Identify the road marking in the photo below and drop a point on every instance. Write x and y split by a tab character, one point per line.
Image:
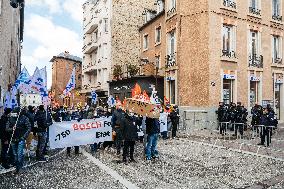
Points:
110	171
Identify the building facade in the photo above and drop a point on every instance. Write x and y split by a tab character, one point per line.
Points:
62	67
31	99
11	38
223	50
111	42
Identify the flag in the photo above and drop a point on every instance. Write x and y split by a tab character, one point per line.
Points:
23	76
71	83
94	97
111	101
154	98
43	74
11	99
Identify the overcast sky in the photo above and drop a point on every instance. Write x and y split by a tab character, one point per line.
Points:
51	27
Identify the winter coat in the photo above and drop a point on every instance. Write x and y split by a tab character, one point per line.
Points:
174	117
43	120
117	117
152	126
129	126
23	128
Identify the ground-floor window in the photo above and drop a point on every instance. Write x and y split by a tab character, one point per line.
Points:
228	90
254	92
172	91
277	99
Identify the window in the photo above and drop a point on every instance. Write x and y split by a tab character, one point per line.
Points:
106	24
228	40
160	6
172	91
255	7
276	7
145	42
228	86
230	3
276	49
254	43
172	4
158	35
172	41
104	50
158	62
95	37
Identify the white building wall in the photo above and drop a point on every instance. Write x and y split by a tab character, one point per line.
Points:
97	64
31	100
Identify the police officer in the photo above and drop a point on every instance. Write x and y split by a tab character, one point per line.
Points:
241	118
233	113
256	113
266	120
223	116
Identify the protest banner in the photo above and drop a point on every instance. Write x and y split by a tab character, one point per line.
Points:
142	108
74	133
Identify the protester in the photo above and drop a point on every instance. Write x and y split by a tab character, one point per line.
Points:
21	132
43	120
152	131
129	131
31	116
5	138
174	115
117	117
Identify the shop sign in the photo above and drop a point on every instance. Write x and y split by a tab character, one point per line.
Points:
254	78
229	76
170	79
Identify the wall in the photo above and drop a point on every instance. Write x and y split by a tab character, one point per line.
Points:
60	80
9	46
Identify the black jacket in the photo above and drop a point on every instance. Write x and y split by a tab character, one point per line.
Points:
117	117
31	117
4	134
43	120
152	126
174	117
23	128
129	129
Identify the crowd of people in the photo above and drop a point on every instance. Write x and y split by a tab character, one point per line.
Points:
15	129
17	126
235	118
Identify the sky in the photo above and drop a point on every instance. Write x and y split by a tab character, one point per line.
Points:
51	27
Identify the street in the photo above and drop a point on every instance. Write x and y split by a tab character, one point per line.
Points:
182	164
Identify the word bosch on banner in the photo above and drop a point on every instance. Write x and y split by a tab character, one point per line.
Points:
73	133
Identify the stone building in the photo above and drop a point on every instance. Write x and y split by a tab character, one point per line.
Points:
222	50
11	38
111	42
62	67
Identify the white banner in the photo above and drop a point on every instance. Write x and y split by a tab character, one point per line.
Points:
163	122
74	133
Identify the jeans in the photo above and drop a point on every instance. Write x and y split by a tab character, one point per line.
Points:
164	134
128	145
94	147
18	151
42	136
151	148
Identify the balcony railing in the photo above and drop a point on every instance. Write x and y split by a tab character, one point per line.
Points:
277	17
170	60
230	4
255	11
171	11
229	54
256	61
277	60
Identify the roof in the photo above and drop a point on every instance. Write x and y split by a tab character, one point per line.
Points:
66	55
152	20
